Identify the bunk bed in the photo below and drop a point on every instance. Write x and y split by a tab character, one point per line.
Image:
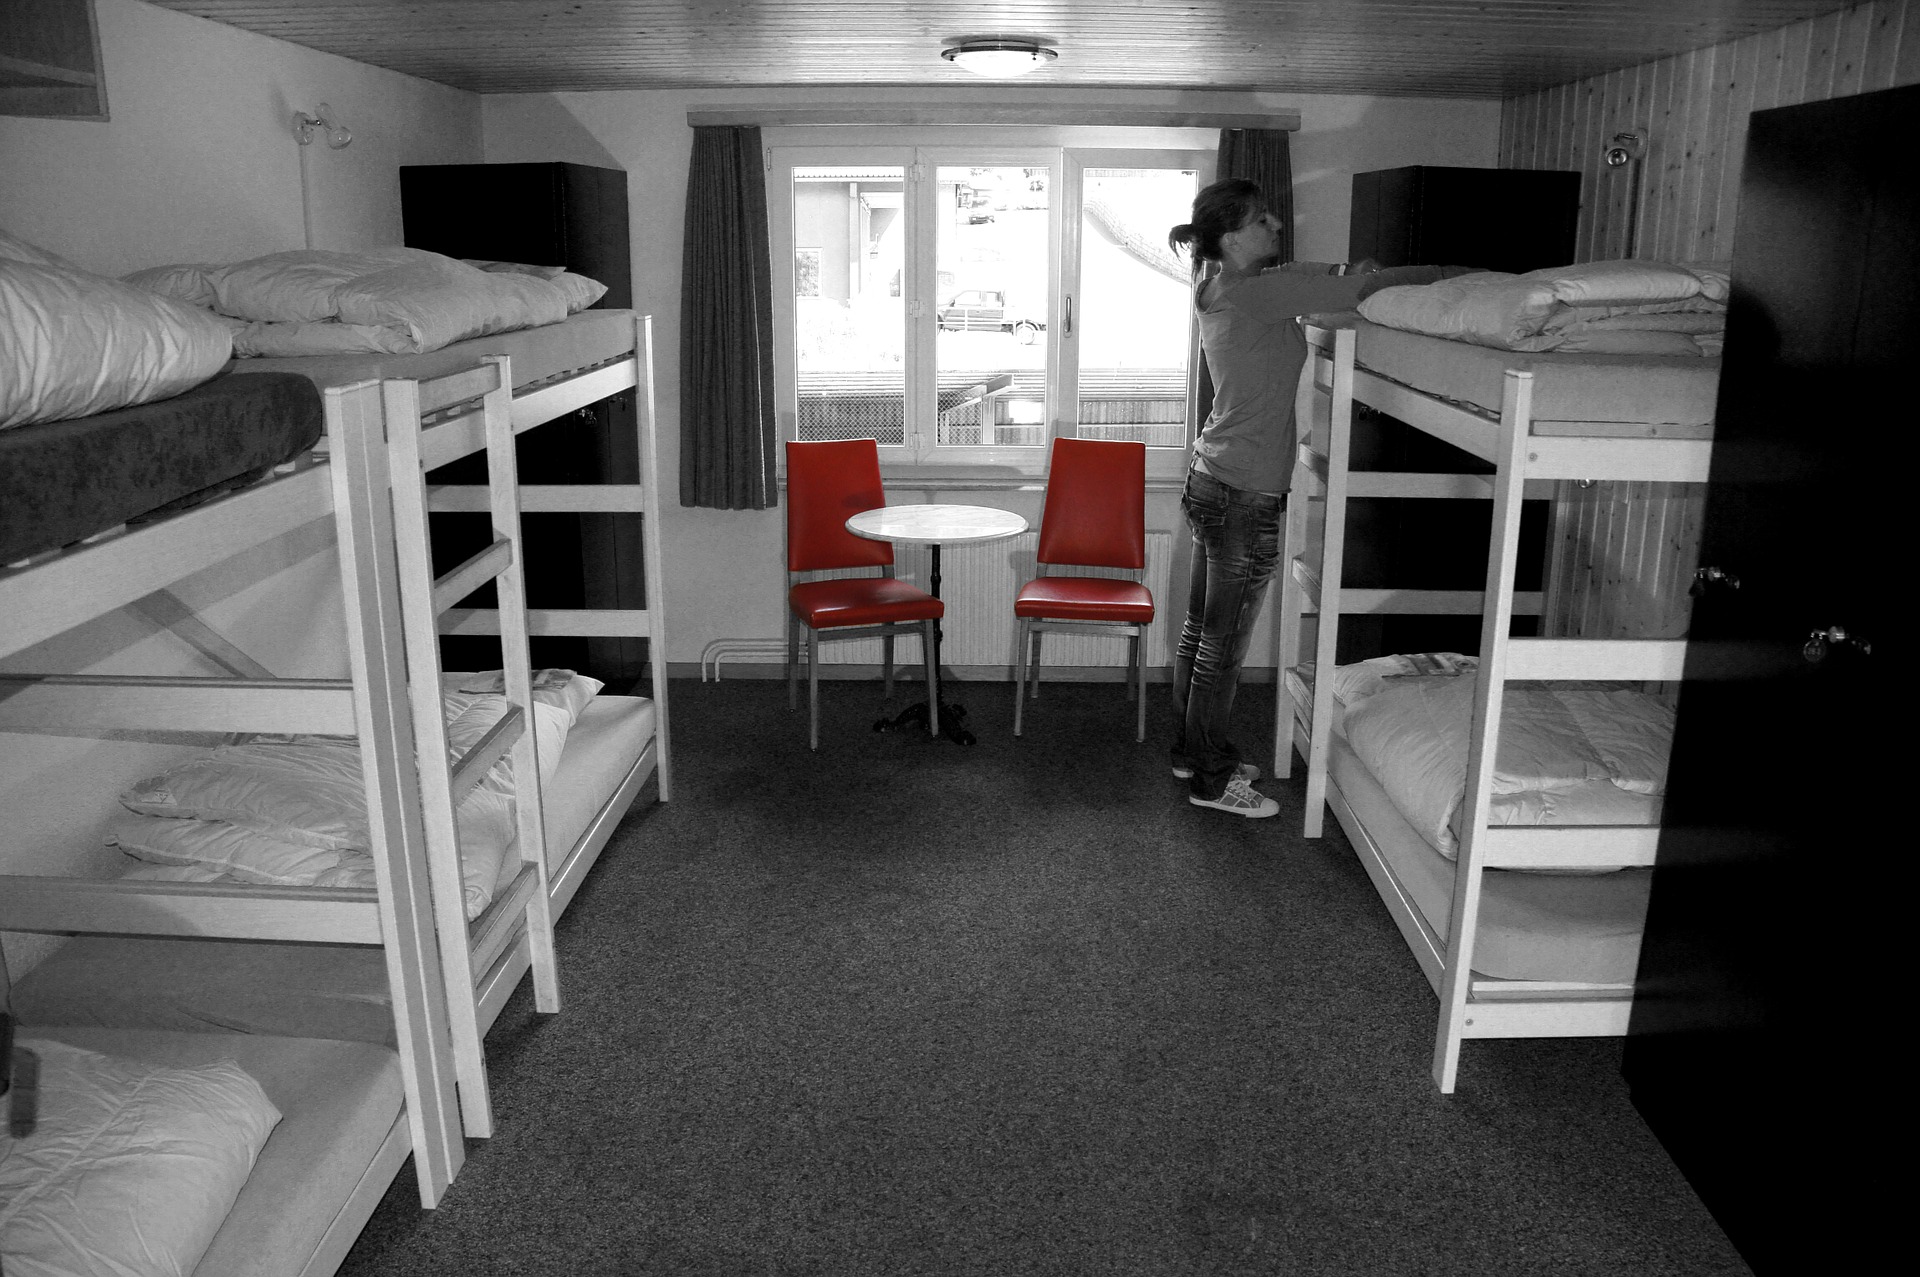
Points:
416	1083
1523	929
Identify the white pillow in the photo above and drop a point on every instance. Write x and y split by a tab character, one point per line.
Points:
221	848
1354	683
73	343
131	1167
291	811
184	282
565	689
580	291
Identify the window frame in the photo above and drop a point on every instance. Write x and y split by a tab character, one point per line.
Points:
1066	152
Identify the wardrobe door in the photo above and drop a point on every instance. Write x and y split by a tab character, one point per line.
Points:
1758	1050
1513	220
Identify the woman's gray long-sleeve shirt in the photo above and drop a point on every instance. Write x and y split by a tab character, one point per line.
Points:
1255	350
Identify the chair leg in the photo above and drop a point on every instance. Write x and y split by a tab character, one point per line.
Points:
1038	636
931	653
1140	693
886	655
813	688
1020	675
793	654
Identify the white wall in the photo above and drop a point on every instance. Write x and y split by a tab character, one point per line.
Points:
198	163
646	134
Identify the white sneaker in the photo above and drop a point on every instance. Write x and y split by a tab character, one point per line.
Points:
1240	798
1245	771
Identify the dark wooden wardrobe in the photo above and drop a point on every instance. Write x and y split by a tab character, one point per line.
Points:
1512	220
555	214
1763	1046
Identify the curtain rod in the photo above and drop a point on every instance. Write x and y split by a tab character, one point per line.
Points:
908	113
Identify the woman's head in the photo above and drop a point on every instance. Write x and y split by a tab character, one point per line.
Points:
1218	211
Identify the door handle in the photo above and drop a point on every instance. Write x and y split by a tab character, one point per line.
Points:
1821	643
1707	578
1069	315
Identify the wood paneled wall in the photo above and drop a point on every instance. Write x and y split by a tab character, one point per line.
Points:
1680	201
1623	554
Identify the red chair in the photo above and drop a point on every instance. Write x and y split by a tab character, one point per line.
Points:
828	483
1096	517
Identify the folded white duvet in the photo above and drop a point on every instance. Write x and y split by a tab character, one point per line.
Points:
386	300
1568	755
1616	307
291	811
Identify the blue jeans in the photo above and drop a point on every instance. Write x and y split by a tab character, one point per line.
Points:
1236	546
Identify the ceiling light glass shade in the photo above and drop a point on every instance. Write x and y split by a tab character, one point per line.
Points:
999	59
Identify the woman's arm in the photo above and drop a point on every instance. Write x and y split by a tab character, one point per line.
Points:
1391	276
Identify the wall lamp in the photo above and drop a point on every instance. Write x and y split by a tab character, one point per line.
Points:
336	133
999	57
1625	148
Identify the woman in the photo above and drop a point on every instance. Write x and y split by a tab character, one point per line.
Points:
1236	489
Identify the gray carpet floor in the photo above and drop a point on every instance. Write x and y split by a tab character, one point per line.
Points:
907	1007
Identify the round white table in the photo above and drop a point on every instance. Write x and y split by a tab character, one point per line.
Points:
935	526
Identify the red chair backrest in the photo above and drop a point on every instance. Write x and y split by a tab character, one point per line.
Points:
1096	508
827	484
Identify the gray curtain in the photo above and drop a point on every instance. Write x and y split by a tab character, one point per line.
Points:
727	438
1261	156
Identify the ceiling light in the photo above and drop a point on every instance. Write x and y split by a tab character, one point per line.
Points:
999	59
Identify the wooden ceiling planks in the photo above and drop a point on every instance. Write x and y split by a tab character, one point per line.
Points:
1419	48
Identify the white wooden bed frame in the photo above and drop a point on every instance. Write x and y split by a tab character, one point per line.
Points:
1527	464
447	980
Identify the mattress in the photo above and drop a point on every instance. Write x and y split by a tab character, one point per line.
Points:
580	341
300	990
338	1100
601	749
1617	390
61	481
1532	926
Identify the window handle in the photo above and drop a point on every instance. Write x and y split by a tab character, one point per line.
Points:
1069	315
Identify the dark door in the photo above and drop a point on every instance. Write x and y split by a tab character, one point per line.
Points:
1761	1044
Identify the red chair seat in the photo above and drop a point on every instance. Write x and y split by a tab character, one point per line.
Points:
867	600
1085	598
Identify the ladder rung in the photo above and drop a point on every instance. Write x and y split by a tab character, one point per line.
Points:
1309	580
543	498
503	921
1570	846
1652	660
487	751
471	575
554	622
1314	463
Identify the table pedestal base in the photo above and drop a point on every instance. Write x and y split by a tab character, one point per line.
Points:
952	721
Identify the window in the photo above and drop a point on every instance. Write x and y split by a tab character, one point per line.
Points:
966	304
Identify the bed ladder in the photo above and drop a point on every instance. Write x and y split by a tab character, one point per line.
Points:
1314	559
641	499
421	418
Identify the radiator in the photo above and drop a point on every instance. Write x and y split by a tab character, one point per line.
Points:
978	583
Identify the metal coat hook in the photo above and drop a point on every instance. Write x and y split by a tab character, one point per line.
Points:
336	133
